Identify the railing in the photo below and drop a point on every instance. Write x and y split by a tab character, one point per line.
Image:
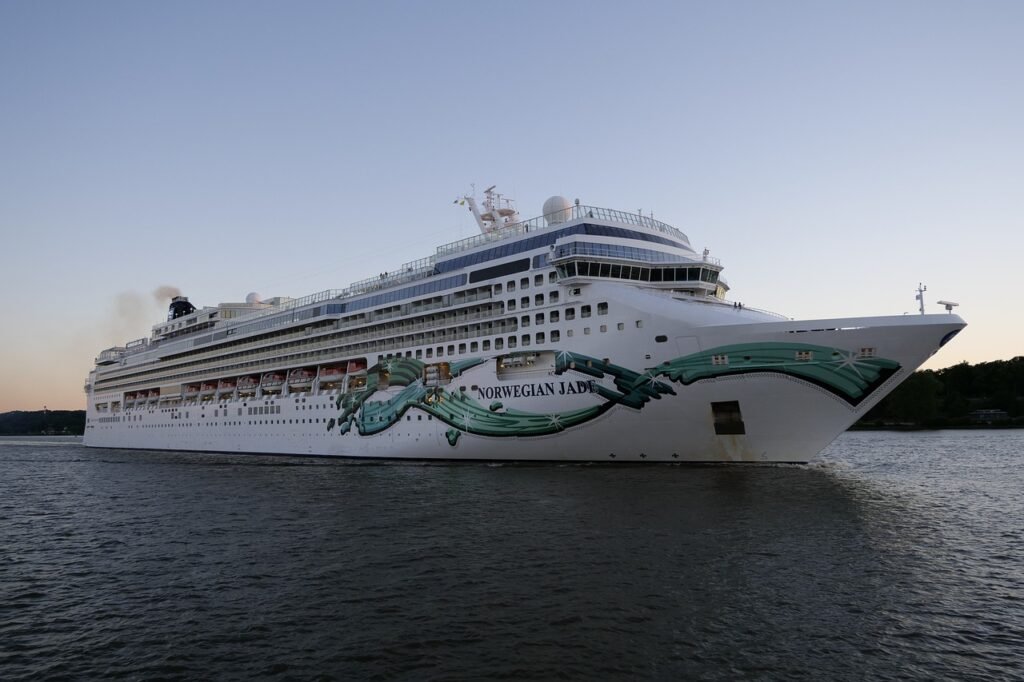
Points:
564	216
110	355
424	267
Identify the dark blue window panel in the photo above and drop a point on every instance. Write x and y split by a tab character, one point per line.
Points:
502	270
540	261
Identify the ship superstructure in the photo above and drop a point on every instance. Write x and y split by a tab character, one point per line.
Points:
584	334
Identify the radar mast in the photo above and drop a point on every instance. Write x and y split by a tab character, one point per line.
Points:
497	212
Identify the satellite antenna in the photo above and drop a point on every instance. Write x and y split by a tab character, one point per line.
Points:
949	305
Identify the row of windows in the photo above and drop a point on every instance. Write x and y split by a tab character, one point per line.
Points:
251	422
524	282
618	251
642	274
554	315
538	300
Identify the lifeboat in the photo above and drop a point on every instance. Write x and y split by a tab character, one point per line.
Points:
331	375
191	391
129	400
247	385
299	379
225	387
357	366
154	396
207	389
272	381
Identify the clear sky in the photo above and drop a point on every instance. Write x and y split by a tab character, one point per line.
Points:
831	154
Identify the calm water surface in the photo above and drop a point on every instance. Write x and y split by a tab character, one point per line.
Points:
895	556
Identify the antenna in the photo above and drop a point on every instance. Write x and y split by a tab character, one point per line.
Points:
920	296
949	305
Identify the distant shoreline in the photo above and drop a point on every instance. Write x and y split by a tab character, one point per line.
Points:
43	423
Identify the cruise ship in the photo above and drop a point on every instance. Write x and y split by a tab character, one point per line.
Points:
586	334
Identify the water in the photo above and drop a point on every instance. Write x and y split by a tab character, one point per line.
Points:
894	556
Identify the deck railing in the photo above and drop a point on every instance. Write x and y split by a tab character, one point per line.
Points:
425	267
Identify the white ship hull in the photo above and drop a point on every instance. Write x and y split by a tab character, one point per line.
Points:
586	335
795	386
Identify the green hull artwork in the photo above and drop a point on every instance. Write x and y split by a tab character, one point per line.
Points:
843	373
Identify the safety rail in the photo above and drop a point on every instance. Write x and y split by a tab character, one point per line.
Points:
422	268
562	216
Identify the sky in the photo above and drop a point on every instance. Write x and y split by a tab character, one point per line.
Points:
832	155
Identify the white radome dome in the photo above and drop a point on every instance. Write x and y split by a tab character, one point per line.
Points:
557	210
252	298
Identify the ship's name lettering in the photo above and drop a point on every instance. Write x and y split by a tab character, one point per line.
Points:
535	390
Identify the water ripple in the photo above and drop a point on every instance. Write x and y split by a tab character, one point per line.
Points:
894	556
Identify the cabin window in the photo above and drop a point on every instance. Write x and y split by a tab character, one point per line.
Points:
570	314
526	339
499	344
524	302
553	297
462	349
524	283
555	336
620	326
660	338
451	349
586	331
510	286
419	353
538	280
487	344
525	321
604	328
474	347
512	304
552	277
497	289
539	319
538	299
553	316
584	311
540	338
602	308
512	342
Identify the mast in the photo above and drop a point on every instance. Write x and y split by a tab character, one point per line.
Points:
498	211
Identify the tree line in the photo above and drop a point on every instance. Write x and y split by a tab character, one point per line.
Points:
986	394
43	422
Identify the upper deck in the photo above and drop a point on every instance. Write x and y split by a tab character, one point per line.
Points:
183	333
